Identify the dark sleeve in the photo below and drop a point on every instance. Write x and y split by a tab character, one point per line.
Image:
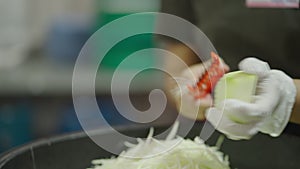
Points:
180	8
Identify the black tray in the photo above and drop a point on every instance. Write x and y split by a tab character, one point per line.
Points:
75	151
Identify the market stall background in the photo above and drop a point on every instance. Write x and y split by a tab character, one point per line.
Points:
39	44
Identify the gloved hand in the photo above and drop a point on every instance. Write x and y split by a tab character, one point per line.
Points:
269	112
187	104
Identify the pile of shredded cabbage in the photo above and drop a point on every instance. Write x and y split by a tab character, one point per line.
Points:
150	154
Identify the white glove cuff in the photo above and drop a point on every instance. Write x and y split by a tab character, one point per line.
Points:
277	121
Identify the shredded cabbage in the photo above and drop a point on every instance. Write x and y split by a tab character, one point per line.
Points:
187	154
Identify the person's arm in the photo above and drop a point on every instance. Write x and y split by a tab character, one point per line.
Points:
183	9
181	51
185	54
295	116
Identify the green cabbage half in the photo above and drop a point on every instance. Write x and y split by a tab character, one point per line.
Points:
235	85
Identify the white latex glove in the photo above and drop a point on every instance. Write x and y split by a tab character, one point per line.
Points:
187	105
270	111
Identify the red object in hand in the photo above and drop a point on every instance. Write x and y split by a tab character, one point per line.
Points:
209	79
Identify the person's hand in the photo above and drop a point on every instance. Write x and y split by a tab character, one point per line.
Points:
186	103
268	113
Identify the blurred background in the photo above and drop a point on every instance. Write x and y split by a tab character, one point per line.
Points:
39	43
